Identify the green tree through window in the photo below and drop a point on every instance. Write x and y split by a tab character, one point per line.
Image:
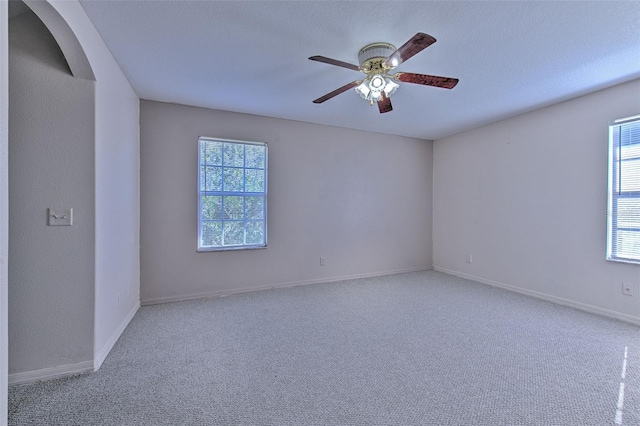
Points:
232	194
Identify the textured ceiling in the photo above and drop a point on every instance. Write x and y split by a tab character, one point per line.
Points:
251	56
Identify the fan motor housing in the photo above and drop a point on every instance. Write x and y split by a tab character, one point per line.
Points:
372	55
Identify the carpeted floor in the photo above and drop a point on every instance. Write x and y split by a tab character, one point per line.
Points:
411	349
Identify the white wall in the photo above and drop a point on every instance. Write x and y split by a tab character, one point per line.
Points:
114	182
361	200
527	198
51	273
117	188
4	207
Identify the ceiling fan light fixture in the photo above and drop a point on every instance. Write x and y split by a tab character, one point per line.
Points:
390	88
363	90
373	88
377	82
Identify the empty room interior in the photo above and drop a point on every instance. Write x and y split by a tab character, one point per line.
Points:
256	213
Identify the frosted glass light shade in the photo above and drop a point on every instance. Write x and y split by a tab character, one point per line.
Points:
374	86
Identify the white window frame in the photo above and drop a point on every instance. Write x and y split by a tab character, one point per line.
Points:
615	193
223	193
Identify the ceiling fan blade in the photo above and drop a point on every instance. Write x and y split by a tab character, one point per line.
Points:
337	92
427	80
416	44
335	62
384	105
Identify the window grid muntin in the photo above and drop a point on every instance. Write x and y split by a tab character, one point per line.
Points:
204	144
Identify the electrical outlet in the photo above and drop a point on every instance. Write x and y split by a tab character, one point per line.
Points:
627	289
469	258
322	261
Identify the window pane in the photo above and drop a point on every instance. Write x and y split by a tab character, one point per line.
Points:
255	180
233	208
255	156
234	154
210	178
211	153
211	234
233	180
628	244
211	208
629	151
233	234
255	232
254	208
628	213
630	175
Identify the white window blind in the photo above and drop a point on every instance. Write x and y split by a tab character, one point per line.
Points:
623	221
232	194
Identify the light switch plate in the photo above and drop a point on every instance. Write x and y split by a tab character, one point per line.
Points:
60	217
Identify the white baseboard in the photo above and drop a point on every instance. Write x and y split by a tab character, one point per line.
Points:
549	298
76	368
50	373
182	298
100	356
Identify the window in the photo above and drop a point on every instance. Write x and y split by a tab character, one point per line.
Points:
623	219
232	194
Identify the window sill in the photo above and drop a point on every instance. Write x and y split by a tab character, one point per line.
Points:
620	260
234	248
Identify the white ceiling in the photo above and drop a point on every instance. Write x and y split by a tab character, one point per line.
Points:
251	56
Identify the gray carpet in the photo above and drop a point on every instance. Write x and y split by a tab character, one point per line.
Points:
411	349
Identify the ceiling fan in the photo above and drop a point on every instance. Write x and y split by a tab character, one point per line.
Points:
376	60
